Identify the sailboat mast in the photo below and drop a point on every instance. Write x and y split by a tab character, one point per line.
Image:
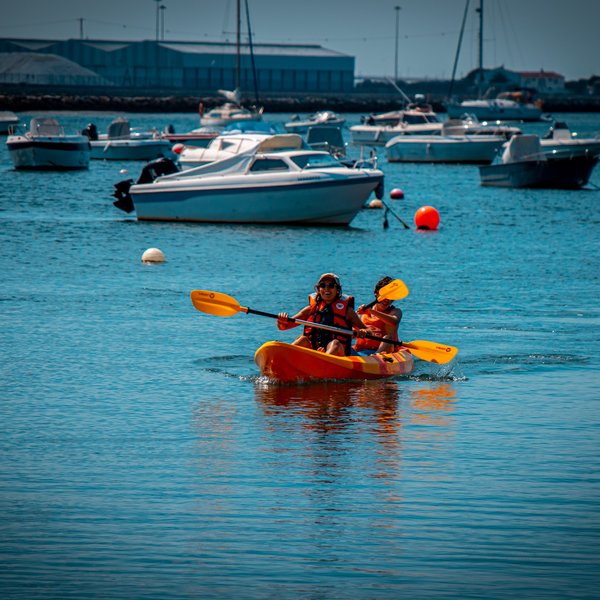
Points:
460	37
238	43
480	73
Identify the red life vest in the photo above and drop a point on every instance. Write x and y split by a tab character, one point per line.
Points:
378	328
333	314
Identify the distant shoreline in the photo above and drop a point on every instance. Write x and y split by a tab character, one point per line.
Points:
351	103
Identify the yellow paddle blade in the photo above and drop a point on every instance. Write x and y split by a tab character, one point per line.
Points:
215	303
431	351
394	290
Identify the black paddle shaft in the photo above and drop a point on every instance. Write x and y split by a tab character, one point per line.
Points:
347	332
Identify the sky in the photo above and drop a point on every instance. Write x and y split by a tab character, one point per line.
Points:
521	35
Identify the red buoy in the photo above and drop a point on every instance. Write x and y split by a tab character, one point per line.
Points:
396	194
427	217
177	148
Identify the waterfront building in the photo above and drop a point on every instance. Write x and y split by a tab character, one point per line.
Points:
202	67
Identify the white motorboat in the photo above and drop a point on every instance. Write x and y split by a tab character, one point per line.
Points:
234	139
229	112
46	146
223	146
447	147
470	125
524	164
121	143
413	121
278	182
324	118
7	120
504	109
559	138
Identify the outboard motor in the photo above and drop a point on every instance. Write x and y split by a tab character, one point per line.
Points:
91	132
155	168
123	197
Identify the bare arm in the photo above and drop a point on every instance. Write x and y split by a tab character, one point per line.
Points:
284	322
393	317
356	323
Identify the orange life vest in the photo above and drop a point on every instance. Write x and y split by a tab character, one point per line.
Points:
333	314
378	329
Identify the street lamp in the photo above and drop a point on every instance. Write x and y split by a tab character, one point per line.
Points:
162	22
397	9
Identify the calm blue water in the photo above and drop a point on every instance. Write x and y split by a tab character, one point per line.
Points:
142	457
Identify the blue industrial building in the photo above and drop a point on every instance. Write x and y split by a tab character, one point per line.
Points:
203	67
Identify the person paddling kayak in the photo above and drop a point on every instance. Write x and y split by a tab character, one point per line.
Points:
382	320
326	306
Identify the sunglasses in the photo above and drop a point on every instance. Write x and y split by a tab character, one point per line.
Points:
328	286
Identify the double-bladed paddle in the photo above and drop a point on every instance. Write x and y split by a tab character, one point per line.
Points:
222	305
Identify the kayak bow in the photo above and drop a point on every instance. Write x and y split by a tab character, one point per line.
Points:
288	363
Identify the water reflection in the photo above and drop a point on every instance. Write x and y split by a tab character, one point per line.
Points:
334	407
370	438
433	405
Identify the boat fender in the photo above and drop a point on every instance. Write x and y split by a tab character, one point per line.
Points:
157	168
123	198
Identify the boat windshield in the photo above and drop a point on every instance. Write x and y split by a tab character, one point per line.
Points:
420	119
315	161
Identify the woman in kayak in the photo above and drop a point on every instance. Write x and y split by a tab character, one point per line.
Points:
382	320
327	306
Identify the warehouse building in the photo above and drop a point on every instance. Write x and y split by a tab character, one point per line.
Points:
202	67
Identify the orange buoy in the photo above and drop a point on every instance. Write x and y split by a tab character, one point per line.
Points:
396	194
375	204
427	217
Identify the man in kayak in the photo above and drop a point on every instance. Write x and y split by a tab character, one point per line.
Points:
327	306
382	320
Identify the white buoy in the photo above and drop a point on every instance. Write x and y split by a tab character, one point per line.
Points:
153	255
123	171
376	204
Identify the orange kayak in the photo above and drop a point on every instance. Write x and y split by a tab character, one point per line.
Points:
287	363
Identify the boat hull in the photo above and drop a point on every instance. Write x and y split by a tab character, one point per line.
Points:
561	173
442	149
287	363
144	149
48	154
306	199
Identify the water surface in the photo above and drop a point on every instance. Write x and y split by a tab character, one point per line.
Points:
143	456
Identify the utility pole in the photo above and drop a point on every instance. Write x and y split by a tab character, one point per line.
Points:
397	9
157	14
238	64
80	27
480	78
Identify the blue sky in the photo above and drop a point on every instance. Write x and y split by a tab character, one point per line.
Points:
554	35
